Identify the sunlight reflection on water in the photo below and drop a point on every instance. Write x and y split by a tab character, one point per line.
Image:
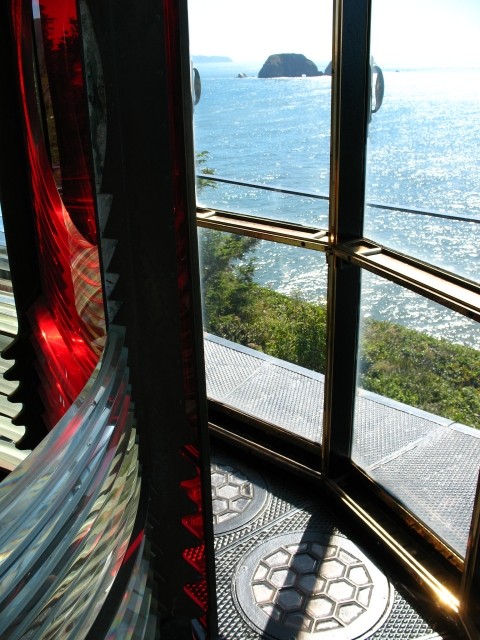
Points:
424	151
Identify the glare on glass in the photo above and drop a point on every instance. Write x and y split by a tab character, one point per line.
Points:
417	409
265	322
424	143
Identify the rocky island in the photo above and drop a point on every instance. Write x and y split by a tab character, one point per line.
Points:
288	65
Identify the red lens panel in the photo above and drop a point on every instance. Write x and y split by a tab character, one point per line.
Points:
69	321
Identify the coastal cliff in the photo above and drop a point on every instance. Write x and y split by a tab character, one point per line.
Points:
288	65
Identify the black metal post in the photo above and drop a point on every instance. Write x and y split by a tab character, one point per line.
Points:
149	171
350	115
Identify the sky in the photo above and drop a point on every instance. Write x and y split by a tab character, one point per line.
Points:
405	33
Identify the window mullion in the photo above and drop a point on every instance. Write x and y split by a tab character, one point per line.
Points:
350	115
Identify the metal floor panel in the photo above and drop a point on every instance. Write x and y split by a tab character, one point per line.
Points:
381	431
437	480
284	398
427	462
250	610
227	368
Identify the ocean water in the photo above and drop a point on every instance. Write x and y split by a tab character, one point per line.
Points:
423	151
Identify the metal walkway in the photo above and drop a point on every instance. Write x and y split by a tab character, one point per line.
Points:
287	569
429	464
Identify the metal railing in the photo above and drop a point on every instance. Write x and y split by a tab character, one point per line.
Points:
322	196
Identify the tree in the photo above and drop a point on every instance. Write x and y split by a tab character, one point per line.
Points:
226	276
201	160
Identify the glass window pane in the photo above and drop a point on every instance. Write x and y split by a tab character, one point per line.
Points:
424	142
268	130
265	324
417	414
266	204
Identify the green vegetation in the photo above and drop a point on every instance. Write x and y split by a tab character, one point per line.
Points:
240	310
399	363
424	372
201	161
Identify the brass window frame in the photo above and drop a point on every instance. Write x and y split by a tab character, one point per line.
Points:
442	287
347	253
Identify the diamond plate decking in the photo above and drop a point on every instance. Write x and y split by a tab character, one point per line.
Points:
430	464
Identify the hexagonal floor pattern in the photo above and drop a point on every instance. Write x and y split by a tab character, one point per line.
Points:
237	494
232	493
288	570
302	583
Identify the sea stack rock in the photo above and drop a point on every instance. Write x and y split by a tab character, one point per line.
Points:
288	65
